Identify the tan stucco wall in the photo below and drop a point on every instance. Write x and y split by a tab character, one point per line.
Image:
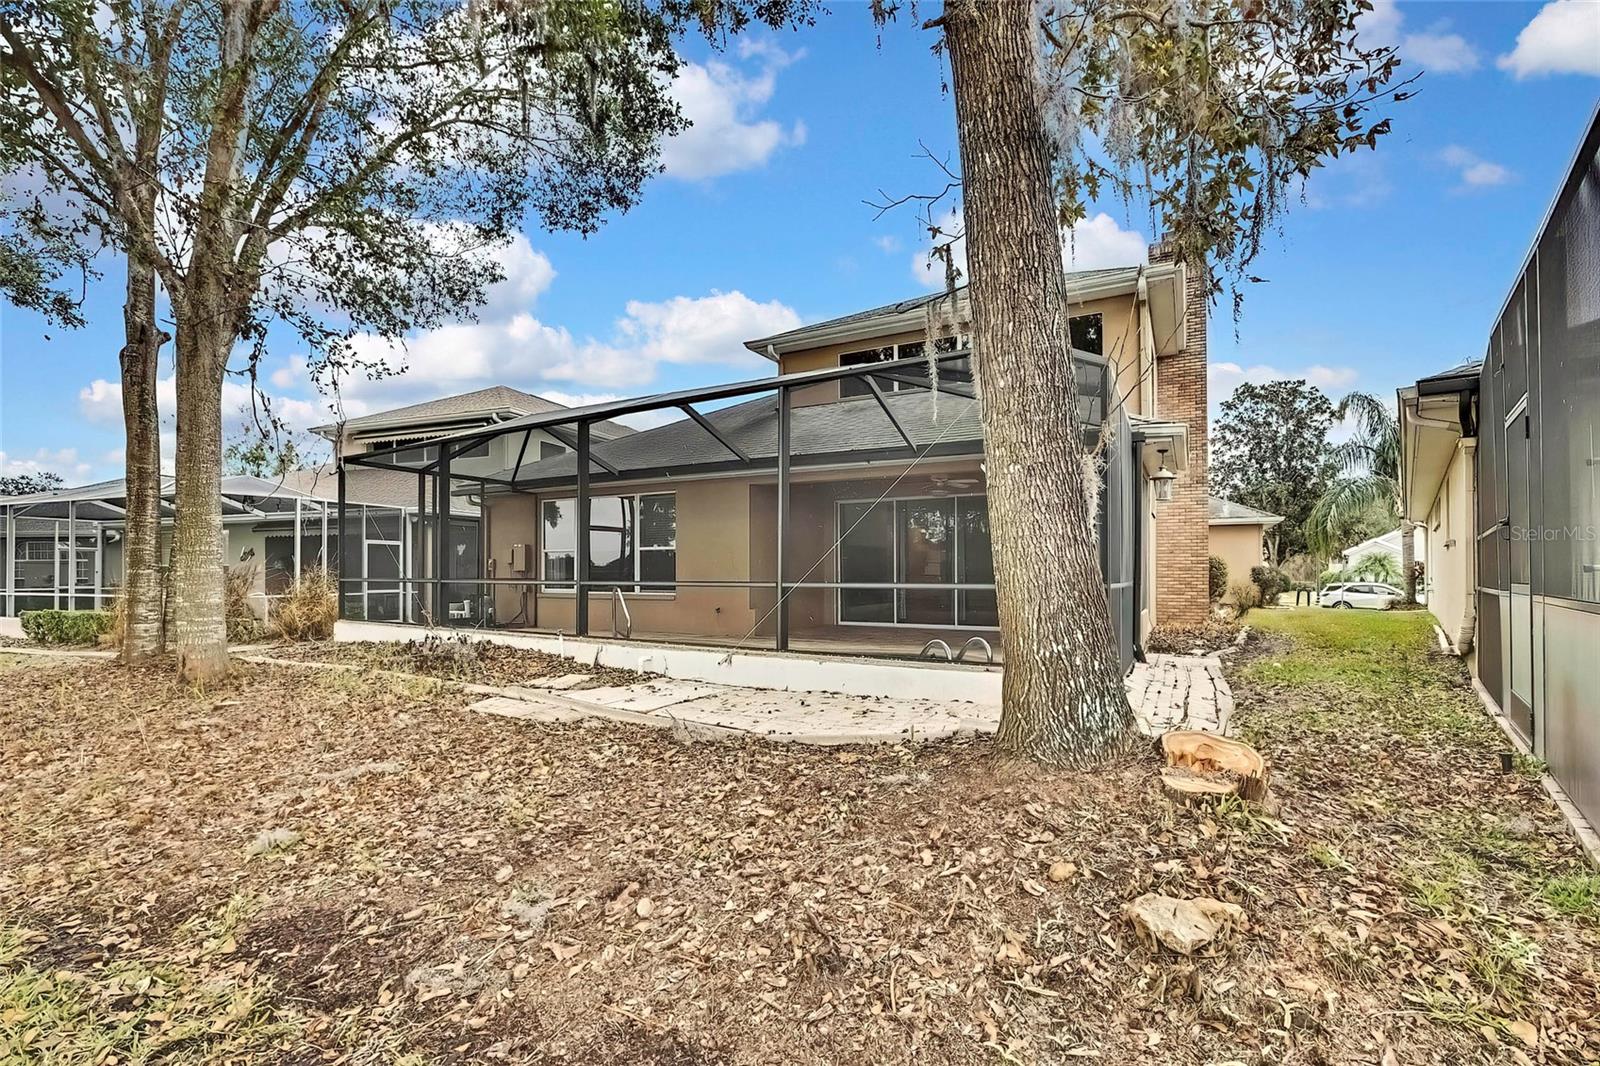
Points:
1450	540
1239	546
1119	337
726	532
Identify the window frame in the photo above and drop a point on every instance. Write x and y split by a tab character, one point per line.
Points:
955	560
638	549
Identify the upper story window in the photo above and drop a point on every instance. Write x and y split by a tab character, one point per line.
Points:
957	370
1086	336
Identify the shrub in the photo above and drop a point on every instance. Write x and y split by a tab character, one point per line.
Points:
1271	582
1246	597
66	627
307	611
238	582
1218	578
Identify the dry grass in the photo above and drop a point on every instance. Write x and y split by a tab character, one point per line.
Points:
468	889
308	610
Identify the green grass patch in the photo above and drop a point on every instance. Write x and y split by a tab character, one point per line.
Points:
1378	668
130	1011
1573	894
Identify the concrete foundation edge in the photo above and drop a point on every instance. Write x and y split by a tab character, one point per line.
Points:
785	673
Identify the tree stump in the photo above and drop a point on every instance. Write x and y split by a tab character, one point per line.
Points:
1209	765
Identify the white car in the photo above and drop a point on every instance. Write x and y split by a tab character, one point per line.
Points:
1373	594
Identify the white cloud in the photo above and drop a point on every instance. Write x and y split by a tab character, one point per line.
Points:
888	243
1099	242
524	352
1094	243
1223	377
1434	49
100	402
707	329
1563	38
1475	171
723	103
64	461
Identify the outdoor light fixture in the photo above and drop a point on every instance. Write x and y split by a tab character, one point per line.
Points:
1163	478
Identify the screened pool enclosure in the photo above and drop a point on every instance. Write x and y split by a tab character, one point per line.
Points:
782	513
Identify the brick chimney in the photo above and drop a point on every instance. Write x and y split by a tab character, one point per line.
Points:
1183	530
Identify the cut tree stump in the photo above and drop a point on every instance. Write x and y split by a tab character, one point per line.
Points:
1211	765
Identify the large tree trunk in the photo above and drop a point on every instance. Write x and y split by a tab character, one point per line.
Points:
1408	559
141	555
198	541
1063	700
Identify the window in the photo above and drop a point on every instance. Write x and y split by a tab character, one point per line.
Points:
956	370
923	541
1085	334
632	539
35	551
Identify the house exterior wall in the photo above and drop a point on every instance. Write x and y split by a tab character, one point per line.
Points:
1183	523
1451	545
1119	336
1240	546
727	531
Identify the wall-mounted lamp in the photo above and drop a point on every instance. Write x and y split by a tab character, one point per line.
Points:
1163	478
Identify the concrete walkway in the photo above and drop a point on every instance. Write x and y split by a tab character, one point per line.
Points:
1169	692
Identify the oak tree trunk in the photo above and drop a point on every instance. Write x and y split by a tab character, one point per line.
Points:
205	336
1063	700
141	554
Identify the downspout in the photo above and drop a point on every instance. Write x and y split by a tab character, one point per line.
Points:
1469	610
1147	350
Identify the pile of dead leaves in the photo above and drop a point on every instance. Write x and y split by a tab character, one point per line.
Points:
380	872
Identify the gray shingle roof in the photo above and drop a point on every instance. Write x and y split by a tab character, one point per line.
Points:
1461	370
1222	510
486	402
838	427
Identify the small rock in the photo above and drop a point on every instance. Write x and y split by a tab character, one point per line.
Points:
1061	871
502	875
645	907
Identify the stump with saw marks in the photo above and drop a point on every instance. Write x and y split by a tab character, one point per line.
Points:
1205	766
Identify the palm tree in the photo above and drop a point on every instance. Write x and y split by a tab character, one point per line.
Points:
1369	466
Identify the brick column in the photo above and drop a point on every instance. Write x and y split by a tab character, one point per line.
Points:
1183	528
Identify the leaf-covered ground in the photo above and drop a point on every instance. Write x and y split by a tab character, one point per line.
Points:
313	866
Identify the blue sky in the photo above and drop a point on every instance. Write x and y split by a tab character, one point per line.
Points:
1394	265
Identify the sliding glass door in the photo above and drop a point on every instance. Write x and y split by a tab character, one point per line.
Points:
937	541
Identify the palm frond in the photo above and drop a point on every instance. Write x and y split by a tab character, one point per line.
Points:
1342	504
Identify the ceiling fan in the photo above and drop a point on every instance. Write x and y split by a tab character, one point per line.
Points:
945	485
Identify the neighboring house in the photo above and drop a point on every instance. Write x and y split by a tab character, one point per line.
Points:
1390	544
274	525
833	510
1500	462
1238	535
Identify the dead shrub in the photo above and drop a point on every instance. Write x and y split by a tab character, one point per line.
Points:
238	582
307	611
1246	597
113	636
1213	635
